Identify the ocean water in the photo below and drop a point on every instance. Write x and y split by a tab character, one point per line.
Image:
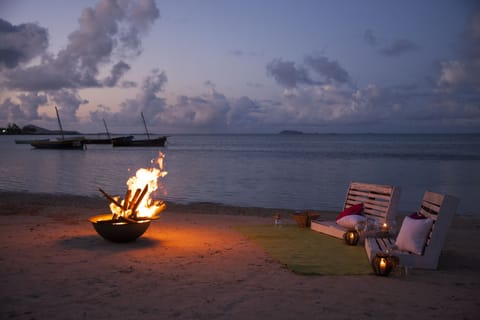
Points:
277	171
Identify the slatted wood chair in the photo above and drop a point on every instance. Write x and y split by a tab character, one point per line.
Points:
379	202
441	209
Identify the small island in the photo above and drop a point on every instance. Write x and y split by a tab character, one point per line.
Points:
291	132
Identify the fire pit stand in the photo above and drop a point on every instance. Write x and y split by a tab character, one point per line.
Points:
124	224
118	231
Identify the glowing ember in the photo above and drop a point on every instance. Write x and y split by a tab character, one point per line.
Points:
137	203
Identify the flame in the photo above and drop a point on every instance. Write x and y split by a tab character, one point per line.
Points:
145	180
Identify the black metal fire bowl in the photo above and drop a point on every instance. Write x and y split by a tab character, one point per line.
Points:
118	231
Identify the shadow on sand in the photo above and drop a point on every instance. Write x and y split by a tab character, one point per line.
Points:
97	243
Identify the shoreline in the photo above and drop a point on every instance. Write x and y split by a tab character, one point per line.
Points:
12	199
98	202
191	264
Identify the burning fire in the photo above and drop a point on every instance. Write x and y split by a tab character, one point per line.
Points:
137	203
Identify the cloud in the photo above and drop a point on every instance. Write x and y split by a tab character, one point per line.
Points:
25	111
21	43
287	74
327	97
370	38
68	102
394	48
254	84
118	70
148	100
463	75
30	103
399	47
109	29
327	69
10	112
139	17
209	84
246	113
317	93
243	53
202	113
237	52
128	84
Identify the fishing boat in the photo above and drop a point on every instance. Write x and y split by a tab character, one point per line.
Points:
156	142
29	141
65	144
108	140
60	144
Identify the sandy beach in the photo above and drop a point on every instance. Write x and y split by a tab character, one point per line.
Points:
191	264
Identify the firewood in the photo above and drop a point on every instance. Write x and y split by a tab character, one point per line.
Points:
125	201
134	198
109	197
126	219
135	206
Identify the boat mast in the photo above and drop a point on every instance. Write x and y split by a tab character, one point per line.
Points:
59	123
106	129
145	124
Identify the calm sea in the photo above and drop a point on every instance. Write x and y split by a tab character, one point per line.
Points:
278	171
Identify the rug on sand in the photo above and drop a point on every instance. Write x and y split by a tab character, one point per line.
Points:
304	251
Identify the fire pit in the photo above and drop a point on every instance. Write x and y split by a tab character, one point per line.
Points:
118	231
131	217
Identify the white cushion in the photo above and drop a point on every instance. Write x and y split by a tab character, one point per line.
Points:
350	221
413	234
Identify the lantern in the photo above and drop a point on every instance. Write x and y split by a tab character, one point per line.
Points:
383	264
351	237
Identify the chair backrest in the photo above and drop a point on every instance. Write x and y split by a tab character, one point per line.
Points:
380	202
441	209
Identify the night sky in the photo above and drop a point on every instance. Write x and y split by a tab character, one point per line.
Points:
250	66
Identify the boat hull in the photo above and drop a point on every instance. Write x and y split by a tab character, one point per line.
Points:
158	142
107	141
29	141
74	144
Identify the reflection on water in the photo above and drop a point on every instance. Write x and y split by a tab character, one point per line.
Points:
294	172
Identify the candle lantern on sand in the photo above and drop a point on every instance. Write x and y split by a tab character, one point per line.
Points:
351	237
383	264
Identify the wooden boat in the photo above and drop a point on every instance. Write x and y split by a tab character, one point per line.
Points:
108	140
29	141
66	144
60	144
157	142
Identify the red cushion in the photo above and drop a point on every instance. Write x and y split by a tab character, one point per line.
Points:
356	209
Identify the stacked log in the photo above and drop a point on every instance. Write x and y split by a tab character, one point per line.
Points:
129	208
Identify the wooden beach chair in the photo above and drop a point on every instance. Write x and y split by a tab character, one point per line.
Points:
379	204
437	207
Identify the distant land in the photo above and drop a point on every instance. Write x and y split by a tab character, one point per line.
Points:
291	132
33	130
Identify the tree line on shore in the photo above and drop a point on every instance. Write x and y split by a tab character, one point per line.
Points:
13	128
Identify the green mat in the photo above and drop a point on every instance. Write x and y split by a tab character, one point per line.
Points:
305	251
